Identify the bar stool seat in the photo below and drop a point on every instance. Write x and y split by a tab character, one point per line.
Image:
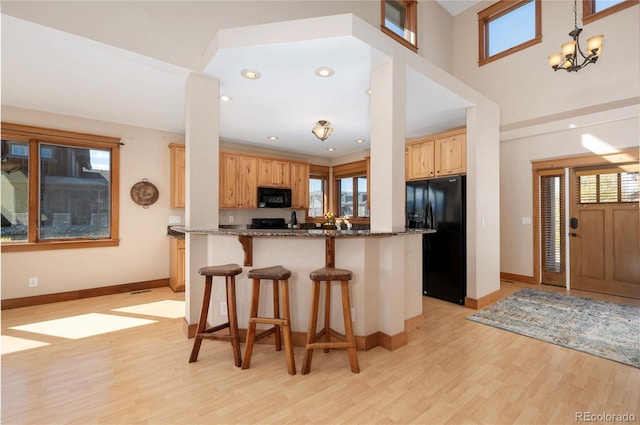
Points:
280	325
323	339
229	271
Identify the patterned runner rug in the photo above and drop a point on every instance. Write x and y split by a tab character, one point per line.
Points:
601	328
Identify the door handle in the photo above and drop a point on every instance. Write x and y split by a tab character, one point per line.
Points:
573	235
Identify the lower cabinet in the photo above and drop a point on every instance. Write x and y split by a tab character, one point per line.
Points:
176	264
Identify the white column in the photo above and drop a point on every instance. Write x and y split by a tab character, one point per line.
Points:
388	122
483	200
388	100
202	163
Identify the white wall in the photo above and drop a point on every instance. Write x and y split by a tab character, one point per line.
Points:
143	253
516	184
526	87
178	32
545	114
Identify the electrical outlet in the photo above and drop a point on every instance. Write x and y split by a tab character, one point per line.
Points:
223	308
174	219
33	282
230	219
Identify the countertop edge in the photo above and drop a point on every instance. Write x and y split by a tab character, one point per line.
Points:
301	233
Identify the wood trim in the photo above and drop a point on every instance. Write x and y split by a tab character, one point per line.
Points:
482	302
414	323
46	246
189	330
349	169
83	293
247	247
537	253
453	132
589	16
392	342
586	160
56	135
510	277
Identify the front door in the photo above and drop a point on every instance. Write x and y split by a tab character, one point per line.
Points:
604	230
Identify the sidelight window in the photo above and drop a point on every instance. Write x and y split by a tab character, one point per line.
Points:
552	225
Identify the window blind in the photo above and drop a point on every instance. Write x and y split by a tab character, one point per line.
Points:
609	185
552	222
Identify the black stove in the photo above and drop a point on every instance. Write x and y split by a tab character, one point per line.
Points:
268	223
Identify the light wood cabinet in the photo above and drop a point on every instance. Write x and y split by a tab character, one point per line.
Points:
238	181
176	264
274	173
177	195
439	155
451	155
299	186
421	163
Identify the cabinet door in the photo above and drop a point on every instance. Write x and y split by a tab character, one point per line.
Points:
421	160
176	264
229	184
177	195
274	173
248	187
451	155
299	186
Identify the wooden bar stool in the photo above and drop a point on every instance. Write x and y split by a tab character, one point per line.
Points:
281	325
229	271
322	339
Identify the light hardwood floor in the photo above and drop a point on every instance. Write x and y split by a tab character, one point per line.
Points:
452	371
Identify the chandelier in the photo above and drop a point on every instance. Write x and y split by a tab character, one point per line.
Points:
568	59
322	130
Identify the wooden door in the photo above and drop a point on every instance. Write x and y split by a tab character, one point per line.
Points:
604	230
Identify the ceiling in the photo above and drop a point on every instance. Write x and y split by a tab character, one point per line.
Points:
50	70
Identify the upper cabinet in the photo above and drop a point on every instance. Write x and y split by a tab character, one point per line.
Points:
274	173
299	186
438	155
238	181
177	195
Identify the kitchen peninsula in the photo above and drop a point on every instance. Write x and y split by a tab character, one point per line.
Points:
385	306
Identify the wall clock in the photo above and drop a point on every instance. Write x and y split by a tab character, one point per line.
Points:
144	193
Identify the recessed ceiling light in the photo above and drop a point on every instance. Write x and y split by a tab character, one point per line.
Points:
225	98
250	74
367	91
359	140
272	137
331	149
324	71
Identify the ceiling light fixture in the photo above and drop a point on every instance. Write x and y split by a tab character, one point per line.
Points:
324	71
272	137
359	140
225	98
250	74
322	130
331	149
568	59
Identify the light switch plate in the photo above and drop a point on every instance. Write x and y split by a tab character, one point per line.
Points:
174	219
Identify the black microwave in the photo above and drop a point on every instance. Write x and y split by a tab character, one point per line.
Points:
271	197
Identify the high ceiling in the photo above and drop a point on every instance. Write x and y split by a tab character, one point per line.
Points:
50	70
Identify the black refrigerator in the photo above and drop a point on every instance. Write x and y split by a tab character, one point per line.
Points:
440	204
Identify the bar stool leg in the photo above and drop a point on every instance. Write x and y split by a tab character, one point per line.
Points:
203	319
232	315
288	339
348	327
313	323
327	314
276	314
251	331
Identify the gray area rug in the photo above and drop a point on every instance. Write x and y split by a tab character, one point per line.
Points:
601	328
